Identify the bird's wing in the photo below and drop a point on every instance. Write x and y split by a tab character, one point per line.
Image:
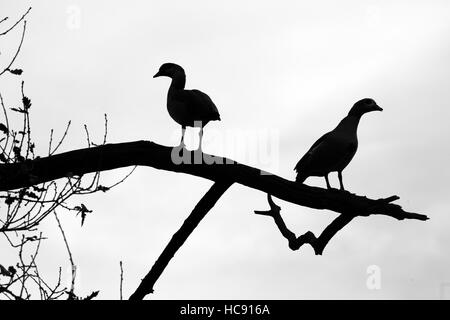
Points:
208	106
199	105
332	152
306	159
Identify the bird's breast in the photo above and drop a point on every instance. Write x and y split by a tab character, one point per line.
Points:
178	111
348	145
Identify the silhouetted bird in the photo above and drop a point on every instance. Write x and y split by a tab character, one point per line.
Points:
188	108
335	149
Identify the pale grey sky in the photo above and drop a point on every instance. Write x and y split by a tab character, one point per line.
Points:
282	73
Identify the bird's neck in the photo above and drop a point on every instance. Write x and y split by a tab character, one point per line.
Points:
349	124
178	82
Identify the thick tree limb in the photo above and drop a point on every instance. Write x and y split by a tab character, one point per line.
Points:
145	153
201	209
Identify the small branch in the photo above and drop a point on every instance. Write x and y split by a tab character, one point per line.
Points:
72	263
274	212
318	244
121	180
60	141
7	127
14	296
18	49
201	209
121	280
91	296
15	24
106	129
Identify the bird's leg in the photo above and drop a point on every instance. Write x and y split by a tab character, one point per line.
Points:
183	130
340	180
328	182
200	136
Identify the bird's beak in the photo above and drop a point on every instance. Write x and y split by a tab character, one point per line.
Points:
157	75
378	108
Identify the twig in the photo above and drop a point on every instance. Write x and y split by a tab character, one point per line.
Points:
15	24
121	280
5	290
4	19
60	141
123	179
7	126
106	129
72	263
87	136
50	141
18	49
26	124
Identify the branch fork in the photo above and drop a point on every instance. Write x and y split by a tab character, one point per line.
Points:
317	243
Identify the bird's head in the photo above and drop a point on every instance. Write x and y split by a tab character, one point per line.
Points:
170	70
364	106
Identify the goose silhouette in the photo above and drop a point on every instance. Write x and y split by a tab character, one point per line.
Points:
188	108
335	149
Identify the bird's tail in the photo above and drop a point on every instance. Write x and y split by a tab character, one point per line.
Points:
301	177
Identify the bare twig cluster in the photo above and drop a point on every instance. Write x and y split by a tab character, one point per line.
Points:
17	282
23	209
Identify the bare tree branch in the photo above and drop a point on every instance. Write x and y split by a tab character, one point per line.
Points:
201	209
224	172
15	24
146	153
318	244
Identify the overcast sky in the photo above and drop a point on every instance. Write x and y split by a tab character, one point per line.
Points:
282	73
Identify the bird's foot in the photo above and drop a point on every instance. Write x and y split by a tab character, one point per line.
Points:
342	190
331	189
